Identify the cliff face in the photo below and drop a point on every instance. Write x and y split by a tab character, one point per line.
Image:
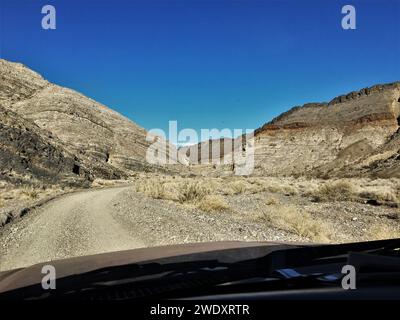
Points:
97	138
339	137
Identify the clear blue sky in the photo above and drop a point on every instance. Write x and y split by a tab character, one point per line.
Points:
206	64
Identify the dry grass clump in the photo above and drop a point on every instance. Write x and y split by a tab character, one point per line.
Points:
233	187
181	190
297	221
212	203
271	201
341	190
284	189
239	185
30	192
380	231
187	188
381	192
274	186
152	188
192	191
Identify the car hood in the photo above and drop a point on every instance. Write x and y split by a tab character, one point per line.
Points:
225	251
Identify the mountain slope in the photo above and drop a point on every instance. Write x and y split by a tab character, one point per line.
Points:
329	138
108	144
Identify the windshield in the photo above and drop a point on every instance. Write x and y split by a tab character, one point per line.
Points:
139	124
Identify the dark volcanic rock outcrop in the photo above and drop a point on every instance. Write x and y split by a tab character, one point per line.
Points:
29	154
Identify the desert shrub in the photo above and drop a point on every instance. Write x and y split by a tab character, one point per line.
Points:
341	190
235	187
182	190
212	203
152	188
277	187
297	221
30	192
191	191
240	186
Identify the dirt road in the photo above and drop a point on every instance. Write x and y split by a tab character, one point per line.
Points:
73	225
97	221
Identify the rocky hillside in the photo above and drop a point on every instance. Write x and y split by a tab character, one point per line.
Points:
50	132
353	134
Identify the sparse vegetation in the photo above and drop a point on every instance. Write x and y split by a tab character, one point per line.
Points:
380	231
13	199
238	187
283	203
212	203
30	192
297	221
371	192
168	188
380	197
152	188
340	190
191	191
